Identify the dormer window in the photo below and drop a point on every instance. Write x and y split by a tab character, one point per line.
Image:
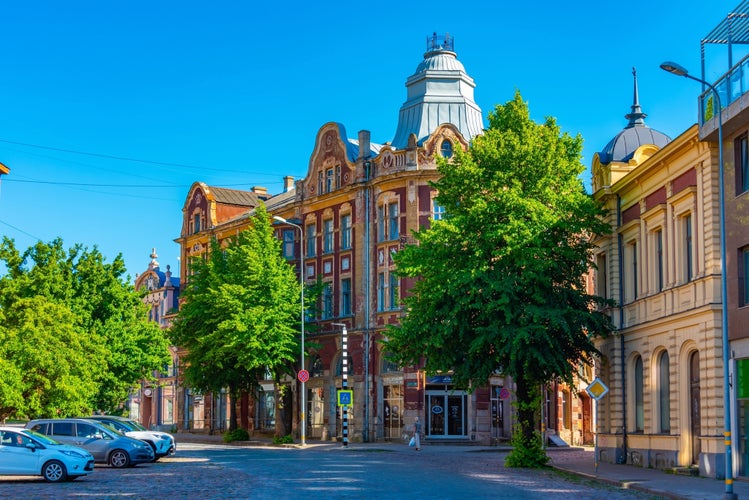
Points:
196	224
446	149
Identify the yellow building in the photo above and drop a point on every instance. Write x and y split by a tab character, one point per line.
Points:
661	265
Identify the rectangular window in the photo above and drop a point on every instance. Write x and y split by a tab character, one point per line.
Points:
329	180
688	248
639	396
320	184
634	270
602	277
741	151
346	231
338	177
659	260
196	223
381	223
311	235
393	291
394	219
288	243
327	301
744	278
346	297
438	211
381	292
327	230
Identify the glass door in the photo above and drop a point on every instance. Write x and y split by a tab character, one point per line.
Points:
446	414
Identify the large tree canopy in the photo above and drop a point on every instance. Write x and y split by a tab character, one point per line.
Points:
500	280
241	312
74	337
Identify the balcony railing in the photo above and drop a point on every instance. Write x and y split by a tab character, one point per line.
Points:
731	86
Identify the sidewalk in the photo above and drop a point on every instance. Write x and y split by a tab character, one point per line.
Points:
574	460
580	461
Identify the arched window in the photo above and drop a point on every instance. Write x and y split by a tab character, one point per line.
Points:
446	149
639	399
388	365
316	367
664	393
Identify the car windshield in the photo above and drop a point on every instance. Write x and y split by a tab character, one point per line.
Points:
111	429
136	425
45	440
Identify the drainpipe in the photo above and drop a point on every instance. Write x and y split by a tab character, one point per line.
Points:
623	458
364	154
367	292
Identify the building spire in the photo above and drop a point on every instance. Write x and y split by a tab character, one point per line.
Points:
154	264
636	117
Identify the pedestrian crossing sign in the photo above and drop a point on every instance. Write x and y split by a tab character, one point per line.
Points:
345	398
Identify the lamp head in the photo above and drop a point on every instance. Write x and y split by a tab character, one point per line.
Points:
280	219
674	68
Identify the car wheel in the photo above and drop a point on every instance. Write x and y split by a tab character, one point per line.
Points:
119	459
54	471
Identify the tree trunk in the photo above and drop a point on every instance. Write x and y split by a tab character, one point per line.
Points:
527	403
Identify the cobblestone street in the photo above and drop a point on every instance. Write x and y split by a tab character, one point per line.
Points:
391	471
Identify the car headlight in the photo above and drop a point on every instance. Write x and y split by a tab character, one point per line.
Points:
72	453
164	438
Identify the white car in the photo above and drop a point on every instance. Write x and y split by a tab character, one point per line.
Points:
162	443
24	452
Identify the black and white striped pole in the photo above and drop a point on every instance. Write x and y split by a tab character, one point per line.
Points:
345	398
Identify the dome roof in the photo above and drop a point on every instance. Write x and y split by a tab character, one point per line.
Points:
624	144
439	92
440	60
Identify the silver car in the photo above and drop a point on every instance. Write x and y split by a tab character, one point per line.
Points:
105	444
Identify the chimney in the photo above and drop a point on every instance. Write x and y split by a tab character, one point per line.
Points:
288	183
261	192
364	147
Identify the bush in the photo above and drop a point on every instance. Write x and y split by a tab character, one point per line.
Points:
527	453
236	435
287	439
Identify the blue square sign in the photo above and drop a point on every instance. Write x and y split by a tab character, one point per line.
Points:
345	398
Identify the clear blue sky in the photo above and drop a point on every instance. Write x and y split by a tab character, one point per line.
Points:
232	93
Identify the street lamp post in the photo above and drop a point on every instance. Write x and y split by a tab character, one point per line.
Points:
679	70
303	409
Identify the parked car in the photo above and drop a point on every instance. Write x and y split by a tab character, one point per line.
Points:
163	443
104	443
24	452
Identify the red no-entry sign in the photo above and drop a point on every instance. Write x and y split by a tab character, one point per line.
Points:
303	375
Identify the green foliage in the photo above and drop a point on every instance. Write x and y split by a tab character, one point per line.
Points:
499	282
287	439
238	434
73	336
526	451
240	313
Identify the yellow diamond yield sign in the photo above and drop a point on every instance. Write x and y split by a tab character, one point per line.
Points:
597	389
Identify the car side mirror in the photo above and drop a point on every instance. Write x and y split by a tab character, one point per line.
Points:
31	446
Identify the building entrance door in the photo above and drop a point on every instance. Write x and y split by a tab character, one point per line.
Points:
446	414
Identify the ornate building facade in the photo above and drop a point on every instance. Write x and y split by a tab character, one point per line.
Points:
354	209
154	403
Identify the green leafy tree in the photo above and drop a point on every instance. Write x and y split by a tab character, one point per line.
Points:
499	282
74	336
240	313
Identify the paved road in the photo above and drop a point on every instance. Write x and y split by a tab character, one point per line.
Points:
207	471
